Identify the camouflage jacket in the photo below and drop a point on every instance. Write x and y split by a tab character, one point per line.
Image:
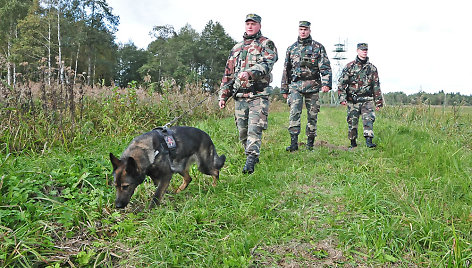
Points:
256	55
360	82
306	67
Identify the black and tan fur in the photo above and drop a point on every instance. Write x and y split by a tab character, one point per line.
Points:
146	155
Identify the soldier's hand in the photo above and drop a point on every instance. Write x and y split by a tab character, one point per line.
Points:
343	103
222	104
377	108
325	88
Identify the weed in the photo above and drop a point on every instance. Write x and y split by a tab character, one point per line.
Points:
405	203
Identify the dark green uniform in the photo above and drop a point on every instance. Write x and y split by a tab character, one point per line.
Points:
306	70
257	56
359	86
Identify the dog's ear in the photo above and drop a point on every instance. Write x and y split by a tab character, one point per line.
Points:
114	161
131	166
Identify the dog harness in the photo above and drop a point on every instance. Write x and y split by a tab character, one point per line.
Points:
167	144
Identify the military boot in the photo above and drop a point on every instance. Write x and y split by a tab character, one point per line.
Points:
368	142
353	144
293	143
249	166
310	142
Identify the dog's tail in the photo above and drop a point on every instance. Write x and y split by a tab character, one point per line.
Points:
219	161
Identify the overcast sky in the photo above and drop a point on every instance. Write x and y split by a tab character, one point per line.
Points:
415	44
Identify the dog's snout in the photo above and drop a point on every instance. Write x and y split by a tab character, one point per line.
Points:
120	205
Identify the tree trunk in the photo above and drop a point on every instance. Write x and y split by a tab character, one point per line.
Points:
76	62
49	52
8	62
14	64
89	70
61	64
94	71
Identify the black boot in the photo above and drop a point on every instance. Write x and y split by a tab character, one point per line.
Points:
293	143
249	166
368	142
353	144
310	142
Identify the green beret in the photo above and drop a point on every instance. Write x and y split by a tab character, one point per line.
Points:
253	17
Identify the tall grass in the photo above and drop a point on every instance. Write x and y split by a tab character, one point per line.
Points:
54	118
404	204
412	197
52	186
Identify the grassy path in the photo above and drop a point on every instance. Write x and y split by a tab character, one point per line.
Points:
406	203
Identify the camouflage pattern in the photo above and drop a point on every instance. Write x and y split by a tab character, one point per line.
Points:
304	23
253	17
251	119
359	86
306	70
256	55
360	82
312	104
362	46
354	110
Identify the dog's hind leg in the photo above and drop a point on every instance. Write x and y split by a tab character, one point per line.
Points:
162	185
186	181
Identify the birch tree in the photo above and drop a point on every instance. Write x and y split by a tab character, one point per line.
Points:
11	11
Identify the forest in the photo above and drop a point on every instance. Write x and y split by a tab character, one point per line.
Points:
70	95
66	40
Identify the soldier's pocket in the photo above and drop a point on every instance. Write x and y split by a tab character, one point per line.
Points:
263	119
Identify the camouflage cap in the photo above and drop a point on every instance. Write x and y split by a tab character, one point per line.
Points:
253	17
362	46
304	23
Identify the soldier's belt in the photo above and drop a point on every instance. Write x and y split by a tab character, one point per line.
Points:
357	99
367	98
299	78
255	88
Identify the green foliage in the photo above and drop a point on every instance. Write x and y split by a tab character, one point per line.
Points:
187	56
214	45
30	45
440	98
130	59
29	33
405	203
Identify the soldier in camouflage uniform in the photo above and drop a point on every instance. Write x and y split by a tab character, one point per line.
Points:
359	89
306	71
247	77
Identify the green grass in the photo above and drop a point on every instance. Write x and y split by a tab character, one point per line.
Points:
405	203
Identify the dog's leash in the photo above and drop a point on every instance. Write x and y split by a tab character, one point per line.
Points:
185	112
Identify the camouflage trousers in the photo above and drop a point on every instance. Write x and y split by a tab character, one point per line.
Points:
251	115
312	103
367	110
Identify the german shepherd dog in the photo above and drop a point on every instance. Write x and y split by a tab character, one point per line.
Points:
149	154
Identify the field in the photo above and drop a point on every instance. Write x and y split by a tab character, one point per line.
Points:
406	203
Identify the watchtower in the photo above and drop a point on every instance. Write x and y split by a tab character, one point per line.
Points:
339	49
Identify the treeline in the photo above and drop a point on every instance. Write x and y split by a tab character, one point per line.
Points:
67	39
61	41
440	98
57	36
